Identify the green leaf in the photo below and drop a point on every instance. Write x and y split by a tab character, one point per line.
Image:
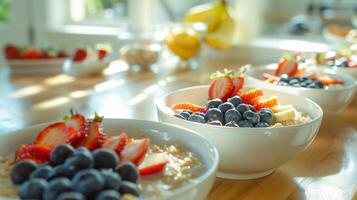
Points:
97	118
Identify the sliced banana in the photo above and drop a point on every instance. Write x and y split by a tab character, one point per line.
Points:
285	115
281	108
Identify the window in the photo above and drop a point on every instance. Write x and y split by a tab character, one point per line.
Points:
4	10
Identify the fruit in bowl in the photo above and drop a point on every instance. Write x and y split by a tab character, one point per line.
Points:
275	128
79	159
333	91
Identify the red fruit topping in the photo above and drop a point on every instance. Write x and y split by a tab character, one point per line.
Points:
117	143
287	67
79	123
101	53
80	55
56	134
221	88
11	52
238	83
96	137
31	53
188	106
153	163
250	96
62	54
328	81
36	152
266	103
136	151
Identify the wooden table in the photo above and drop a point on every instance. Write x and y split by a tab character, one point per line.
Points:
326	170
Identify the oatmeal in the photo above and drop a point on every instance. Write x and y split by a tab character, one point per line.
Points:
183	166
300	118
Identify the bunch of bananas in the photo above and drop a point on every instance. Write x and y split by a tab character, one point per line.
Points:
220	24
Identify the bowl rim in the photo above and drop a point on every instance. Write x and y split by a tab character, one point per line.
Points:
209	170
160	105
321	69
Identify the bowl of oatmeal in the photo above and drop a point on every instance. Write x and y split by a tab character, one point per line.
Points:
332	98
191	160
254	151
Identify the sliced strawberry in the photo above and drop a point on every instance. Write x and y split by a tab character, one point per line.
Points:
221	88
79	123
11	52
188	106
250	96
288	67
238	83
136	151
117	143
62	54
153	163
31	53
56	134
38	152
328	81
96	136
101	54
80	55
266	103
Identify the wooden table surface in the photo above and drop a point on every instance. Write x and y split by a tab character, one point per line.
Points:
326	170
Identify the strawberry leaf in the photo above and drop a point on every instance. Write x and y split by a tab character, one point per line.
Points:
97	118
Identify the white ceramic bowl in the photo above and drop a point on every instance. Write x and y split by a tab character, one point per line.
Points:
331	100
158	133
247	153
344	70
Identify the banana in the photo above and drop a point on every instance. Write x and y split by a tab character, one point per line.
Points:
209	14
285	115
281	108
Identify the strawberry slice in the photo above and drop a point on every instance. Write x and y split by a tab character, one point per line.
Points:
238	83
79	123
117	143
188	106
101	54
56	134
96	136
266	103
288	67
136	151
80	55
37	152
31	53
153	163
11	51
252	95
221	88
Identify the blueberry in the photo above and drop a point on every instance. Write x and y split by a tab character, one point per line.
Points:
282	83
266	116
245	123
88	182
214	114
225	106
108	195
304	84
32	189
284	78
56	187
197	118
127	187
251	116
61	153
44	172
81	159
128	172
214	103
296	85
71	196
232	124
293	81
22	171
179	116
185	114
199	113
242	108
111	179
232	115
312	85
105	159
63	171
319	84
252	108
188	111
236	100
217	123
262	125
